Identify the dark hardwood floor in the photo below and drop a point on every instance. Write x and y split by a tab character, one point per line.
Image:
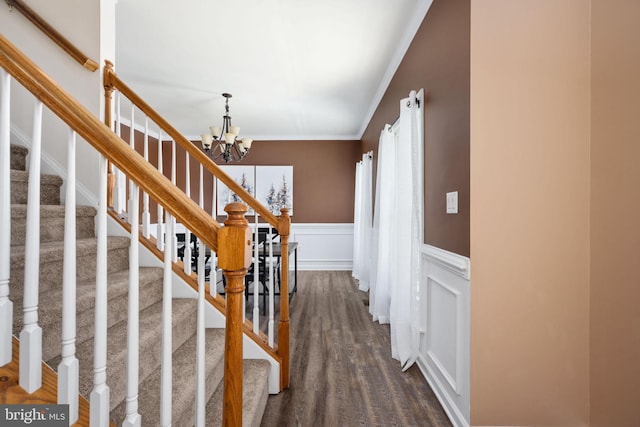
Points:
342	373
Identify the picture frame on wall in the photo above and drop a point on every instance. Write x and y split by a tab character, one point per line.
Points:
274	187
245	177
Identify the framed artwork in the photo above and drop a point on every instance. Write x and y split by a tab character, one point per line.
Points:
274	187
243	175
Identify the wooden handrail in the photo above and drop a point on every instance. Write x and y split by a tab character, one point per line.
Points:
108	144
233	242
112	81
53	34
282	223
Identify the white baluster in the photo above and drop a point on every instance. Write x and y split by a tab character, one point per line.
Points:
132	144
146	216
121	179
201	246
213	273
187	234
6	306
160	232
174	239
100	394
166	367
133	418
200	362
118	120
271	324
31	335
256	280
69	369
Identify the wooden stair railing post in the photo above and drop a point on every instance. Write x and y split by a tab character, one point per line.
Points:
234	257
108	120
284	228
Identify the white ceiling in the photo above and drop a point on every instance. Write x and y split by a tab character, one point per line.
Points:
297	69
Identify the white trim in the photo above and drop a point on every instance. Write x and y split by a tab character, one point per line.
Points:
412	27
453	382
323	246
452	273
295	137
457	264
455	416
262	138
323	237
322	228
325	265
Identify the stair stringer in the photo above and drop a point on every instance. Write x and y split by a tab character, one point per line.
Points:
213	317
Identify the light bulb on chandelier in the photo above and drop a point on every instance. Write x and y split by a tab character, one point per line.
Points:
223	142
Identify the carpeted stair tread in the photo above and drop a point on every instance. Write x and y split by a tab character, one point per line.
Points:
54	251
183	382
150	338
49	188
50	309
51	262
255	392
51	223
18	155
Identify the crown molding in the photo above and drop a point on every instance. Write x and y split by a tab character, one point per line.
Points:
422	8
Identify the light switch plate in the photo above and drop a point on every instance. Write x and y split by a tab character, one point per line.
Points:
452	202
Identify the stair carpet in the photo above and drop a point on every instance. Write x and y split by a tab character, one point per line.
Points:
184	311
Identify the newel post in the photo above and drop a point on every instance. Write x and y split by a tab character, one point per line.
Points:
108	120
284	229
234	257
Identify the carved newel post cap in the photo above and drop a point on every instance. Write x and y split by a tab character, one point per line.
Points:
284	224
234	241
235	213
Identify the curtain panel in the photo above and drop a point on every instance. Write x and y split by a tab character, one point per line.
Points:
394	264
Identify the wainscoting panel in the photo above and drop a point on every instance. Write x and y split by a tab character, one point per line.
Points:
444	345
323	246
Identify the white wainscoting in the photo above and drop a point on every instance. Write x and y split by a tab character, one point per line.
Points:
444	344
323	246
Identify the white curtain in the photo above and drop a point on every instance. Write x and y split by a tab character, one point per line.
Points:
362	221
383	253
398	230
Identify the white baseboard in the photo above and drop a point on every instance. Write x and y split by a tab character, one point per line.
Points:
455	416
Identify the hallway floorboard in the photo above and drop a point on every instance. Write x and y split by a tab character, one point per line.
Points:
342	373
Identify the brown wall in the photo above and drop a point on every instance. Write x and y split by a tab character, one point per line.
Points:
438	61
323	174
615	212
530	131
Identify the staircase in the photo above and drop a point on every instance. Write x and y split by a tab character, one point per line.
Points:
255	372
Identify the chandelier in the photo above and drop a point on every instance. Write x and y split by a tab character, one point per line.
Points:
227	145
